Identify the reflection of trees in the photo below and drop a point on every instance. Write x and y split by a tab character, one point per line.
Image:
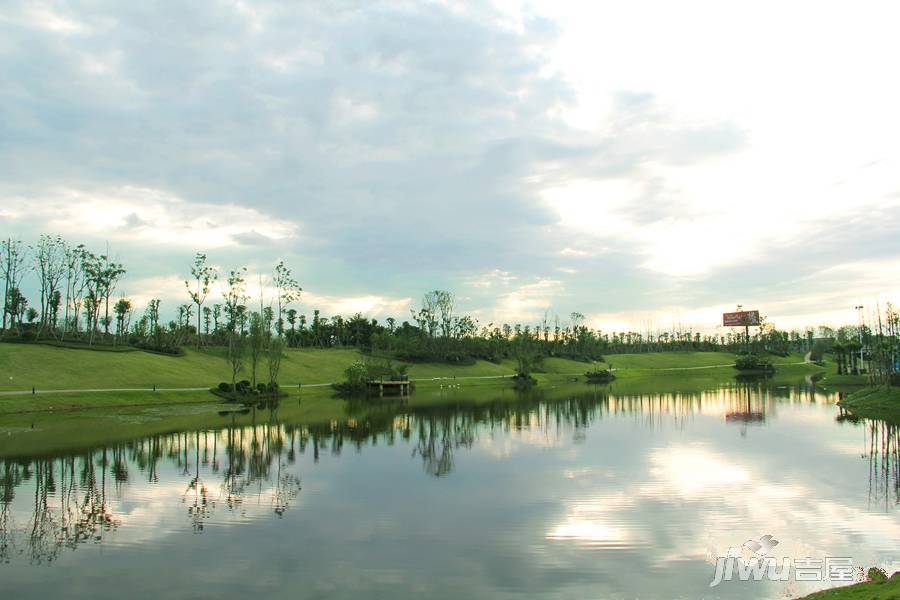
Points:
73	497
438	435
70	496
884	462
68	504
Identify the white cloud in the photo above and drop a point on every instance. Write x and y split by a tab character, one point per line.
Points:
151	216
527	302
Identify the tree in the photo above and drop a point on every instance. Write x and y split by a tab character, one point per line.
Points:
292	320
102	276
287	290
15	305
525	354
152	314
216	314
203	275
235	297
53	308
122	310
50	265
75	283
256	343
12	261
274	348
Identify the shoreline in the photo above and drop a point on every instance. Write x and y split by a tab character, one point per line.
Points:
874	402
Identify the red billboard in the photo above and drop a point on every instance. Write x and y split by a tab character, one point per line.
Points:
744	318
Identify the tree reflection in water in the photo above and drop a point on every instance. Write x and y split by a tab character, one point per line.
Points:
884	462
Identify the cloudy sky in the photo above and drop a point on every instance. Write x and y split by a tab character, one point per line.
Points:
639	162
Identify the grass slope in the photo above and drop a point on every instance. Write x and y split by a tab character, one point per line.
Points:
881	402
886	590
54	368
47	367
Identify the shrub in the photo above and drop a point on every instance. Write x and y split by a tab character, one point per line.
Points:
224	386
357	374
752	362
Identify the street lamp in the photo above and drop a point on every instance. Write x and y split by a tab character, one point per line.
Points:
861	325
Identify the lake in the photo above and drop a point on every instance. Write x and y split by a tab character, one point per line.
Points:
569	492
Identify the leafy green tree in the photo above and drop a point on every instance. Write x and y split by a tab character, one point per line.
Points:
204	276
235	299
287	290
12	263
122	310
50	266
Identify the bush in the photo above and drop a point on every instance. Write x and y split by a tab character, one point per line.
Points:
458	358
224	386
752	362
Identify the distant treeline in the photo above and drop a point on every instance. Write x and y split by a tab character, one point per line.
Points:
78	300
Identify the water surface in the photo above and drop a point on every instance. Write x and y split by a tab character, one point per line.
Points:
562	493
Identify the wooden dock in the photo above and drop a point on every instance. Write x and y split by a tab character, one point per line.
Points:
403	387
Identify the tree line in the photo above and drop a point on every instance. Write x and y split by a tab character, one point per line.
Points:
78	298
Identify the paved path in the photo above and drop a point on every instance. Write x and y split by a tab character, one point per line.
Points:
37	392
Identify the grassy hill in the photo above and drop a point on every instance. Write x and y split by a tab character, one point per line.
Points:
48	367
30	424
870	590
877	402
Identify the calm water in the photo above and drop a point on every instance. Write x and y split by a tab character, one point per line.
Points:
574	493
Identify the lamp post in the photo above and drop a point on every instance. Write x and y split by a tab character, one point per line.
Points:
859	309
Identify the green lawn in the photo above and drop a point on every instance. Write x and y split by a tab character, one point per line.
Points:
54	368
35	424
887	590
882	402
47	367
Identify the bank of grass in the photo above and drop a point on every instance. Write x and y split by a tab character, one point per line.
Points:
879	402
53	368
38	425
831	379
23	366
869	590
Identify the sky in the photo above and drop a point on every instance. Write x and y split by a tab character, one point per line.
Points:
644	163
